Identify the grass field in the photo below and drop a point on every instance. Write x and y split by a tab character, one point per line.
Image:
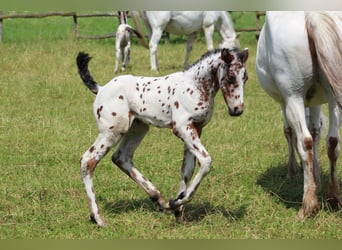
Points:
46	124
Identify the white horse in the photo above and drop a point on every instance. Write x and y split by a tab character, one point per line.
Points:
298	63
123	42
184	102
187	23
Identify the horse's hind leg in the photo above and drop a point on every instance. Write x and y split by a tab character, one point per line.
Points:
314	125
295	115
88	163
126	58
189	45
290	135
333	148
187	172
123	158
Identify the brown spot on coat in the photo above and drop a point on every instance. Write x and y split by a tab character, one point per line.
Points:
91	165
92	149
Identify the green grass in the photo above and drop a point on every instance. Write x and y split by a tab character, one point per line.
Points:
46	124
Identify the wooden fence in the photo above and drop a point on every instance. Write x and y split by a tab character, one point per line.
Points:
75	16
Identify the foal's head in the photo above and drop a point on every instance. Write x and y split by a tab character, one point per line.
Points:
232	75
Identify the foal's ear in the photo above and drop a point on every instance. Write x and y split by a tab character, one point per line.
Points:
243	55
227	56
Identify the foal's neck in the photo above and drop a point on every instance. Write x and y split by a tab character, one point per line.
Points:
204	73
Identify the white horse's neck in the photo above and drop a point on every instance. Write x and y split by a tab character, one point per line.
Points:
227	33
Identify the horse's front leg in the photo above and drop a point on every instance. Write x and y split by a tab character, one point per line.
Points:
208	33
189	134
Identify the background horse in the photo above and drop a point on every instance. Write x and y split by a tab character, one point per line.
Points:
187	23
123	41
298	63
184	102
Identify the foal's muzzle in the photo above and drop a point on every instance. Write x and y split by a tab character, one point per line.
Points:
236	111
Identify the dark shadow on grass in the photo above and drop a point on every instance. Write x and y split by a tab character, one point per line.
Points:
194	212
290	192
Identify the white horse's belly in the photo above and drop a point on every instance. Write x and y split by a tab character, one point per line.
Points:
185	23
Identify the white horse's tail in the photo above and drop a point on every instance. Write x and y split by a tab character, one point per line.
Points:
135	16
325	41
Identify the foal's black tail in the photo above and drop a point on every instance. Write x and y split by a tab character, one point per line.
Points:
82	64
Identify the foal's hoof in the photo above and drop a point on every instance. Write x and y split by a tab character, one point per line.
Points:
97	219
173	204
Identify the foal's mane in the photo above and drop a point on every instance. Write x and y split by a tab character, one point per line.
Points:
209	53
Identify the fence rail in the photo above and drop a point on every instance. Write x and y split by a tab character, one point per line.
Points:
75	16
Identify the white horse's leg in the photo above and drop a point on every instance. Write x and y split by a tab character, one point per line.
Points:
189	134
155	38
123	158
208	33
314	125
295	115
290	135
88	164
189	44
126	58
333	150
117	55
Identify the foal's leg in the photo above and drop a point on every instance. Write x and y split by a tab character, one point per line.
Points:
187	172
123	158
88	163
189	162
295	115
189	134
333	148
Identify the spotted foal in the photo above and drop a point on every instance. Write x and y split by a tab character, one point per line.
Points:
183	101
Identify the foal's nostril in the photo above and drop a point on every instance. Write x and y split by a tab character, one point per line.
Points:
236	111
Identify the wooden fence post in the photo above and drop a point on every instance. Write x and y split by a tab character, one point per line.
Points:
1	20
75	25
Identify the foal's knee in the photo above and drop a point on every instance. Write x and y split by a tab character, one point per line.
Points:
206	165
87	166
